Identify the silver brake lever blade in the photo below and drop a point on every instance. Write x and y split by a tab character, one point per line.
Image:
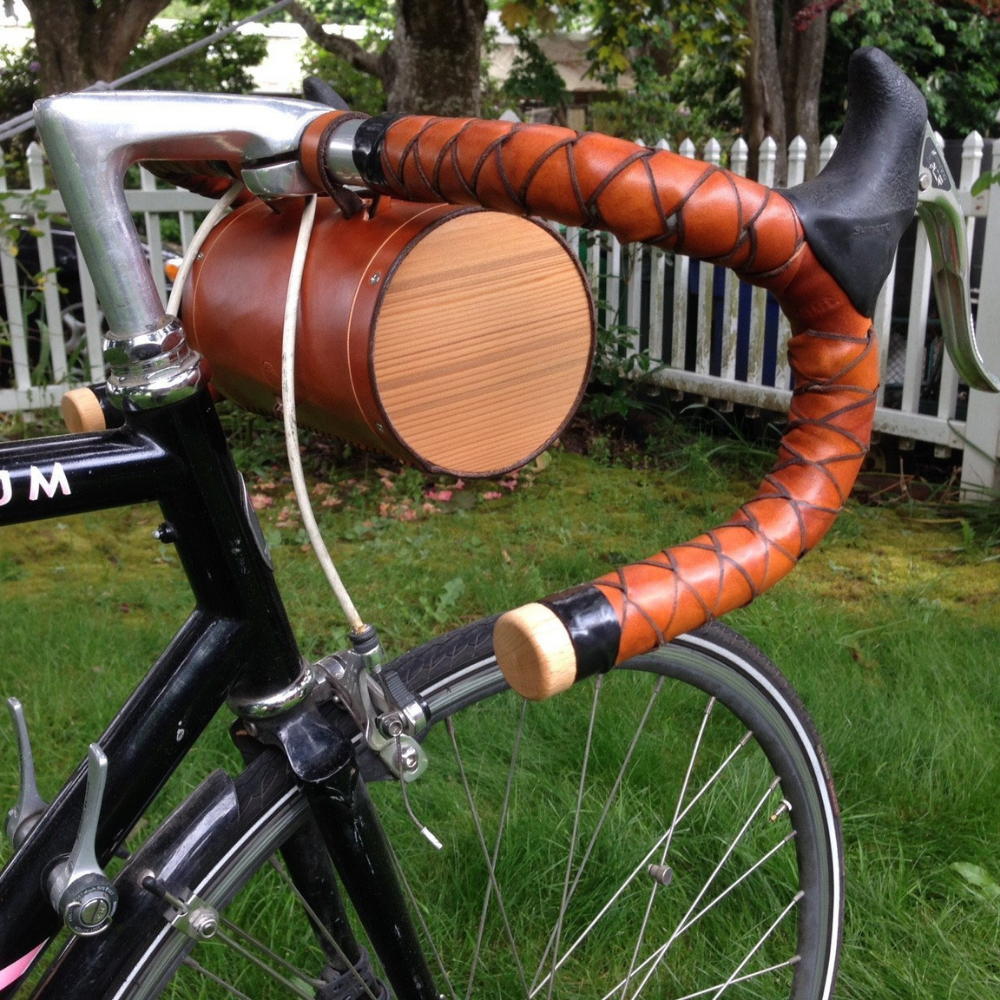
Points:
944	222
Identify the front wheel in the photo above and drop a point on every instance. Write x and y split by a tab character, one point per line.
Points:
668	831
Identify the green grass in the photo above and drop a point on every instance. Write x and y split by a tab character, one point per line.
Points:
889	631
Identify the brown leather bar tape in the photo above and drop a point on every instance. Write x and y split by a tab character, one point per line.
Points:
668	201
693	208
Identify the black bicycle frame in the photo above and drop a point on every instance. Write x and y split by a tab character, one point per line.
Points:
236	643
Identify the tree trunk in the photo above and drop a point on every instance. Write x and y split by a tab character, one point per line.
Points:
802	54
782	83
432	64
434	59
763	103
81	41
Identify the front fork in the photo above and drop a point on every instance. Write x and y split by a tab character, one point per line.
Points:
346	827
350	827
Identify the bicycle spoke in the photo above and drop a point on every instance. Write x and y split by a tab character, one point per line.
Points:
706	715
643	864
686	924
233	944
729	888
753	951
417	910
608	803
515	750
449	724
320	926
787	964
212	977
576	830
682	926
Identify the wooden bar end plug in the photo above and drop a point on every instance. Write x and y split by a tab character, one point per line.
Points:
81	411
534	652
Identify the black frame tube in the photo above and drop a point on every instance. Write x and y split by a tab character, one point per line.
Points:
237	641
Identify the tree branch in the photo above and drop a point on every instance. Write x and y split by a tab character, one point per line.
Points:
345	48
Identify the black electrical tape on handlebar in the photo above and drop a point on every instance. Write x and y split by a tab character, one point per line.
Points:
368	147
592	625
856	210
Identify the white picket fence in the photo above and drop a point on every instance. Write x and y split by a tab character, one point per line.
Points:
707	335
712	337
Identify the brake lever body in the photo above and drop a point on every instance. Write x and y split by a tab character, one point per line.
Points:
944	223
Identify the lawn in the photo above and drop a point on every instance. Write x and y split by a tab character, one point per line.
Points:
888	631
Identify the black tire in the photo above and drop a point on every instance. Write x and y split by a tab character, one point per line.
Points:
712	682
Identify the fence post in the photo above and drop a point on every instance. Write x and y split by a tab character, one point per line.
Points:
93	320
972	161
768	156
882	319
738	157
826	150
797	153
682	271
15	316
797	150
657	276
982	423
706	287
47	265
154	237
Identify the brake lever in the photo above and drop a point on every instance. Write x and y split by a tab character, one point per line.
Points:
944	222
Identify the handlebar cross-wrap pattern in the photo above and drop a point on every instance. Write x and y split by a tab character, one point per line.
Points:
824	250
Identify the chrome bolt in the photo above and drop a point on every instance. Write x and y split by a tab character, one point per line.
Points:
925	180
375	278
94	912
204	923
165	533
392	725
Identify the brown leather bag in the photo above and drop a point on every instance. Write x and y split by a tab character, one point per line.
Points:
451	338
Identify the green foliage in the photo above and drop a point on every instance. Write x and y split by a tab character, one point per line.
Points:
380	13
533	79
700	100
362	91
18	79
984	180
950	49
680	61
617	373
14	228
18	91
620	367
980	883
223	66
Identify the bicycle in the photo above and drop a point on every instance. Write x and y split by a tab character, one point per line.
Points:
764	897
